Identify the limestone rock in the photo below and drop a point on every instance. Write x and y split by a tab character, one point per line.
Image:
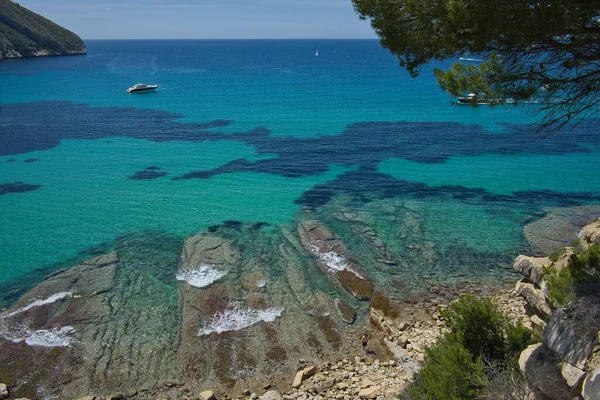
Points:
534	297
347	313
3	391
569	333
542	372
369	393
325	385
333	258
87	398
591	385
537	321
572	374
207	249
208	395
271	395
559	227
591	233
531	267
302	375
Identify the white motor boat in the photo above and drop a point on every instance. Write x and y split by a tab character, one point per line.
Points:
141	87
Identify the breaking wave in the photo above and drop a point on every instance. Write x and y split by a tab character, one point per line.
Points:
55	337
236	319
202	276
334	261
37	303
17	333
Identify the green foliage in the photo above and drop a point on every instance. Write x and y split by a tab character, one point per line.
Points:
554	256
582	269
535	51
478	325
585	267
518	337
454	367
449	373
28	32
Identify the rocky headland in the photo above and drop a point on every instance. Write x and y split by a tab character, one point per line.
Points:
24	33
250	311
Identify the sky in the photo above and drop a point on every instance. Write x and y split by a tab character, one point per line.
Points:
205	19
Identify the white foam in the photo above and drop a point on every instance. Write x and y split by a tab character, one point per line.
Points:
334	261
37	303
55	337
202	276
236	319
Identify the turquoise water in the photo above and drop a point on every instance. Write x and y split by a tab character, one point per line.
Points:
262	131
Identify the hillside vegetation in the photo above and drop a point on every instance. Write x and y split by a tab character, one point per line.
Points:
24	33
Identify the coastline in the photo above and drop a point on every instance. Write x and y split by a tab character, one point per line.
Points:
75	318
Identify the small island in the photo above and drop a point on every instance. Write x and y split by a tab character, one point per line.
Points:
24	33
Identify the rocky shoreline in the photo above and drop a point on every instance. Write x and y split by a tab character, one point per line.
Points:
170	320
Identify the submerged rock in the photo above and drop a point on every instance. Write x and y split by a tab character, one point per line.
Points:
347	313
333	258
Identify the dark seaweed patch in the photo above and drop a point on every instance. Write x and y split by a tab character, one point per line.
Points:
148	174
17	187
30	160
362	145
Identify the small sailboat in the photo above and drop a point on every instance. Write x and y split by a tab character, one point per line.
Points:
317	53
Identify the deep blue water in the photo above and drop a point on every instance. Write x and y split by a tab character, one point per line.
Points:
259	132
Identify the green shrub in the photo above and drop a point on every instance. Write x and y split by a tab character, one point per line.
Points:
554	256
559	286
585	267
454	367
449	373
477	325
582	269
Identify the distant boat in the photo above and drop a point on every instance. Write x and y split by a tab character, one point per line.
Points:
470	59
473	99
141	87
317	53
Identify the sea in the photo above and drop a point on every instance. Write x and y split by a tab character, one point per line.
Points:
262	134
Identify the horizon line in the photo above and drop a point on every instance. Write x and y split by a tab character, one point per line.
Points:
333	38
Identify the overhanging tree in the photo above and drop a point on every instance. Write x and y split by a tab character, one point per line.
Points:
545	51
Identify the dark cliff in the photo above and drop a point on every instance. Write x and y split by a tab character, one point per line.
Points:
24	33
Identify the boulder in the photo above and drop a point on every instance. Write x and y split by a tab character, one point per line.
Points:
542	372
591	385
271	395
207	395
572	374
571	333
369	393
531	267
302	375
533	296
591	233
537	321
3	391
